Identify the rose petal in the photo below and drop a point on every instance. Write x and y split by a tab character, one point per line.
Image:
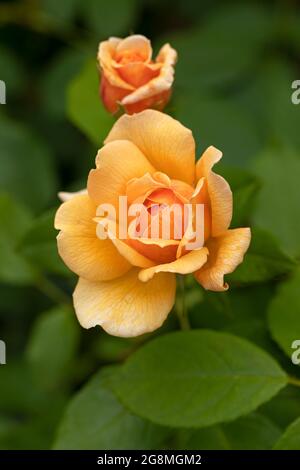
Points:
157	102
137	73
167	144
128	252
111	95
136	44
163	82
78	245
125	306
106	52
225	254
188	263
66	196
117	163
218	189
158	251
138	189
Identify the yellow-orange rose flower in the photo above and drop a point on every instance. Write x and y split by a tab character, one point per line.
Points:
130	78
128	285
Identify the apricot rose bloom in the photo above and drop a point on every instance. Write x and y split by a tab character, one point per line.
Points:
130	78
128	286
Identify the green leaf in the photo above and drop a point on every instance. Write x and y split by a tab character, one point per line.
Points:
277	208
219	122
29	417
243	203
283	115
84	105
267	96
284	314
30	433
224	47
16	435
292	30
56	79
252	432
275	86
264	260
59	15
12	73
197	378
290	439
39	245
15	220
284	408
18	393
52	346
111	349
26	166
241	312
111	18
244	186
14	269
94	419
7	428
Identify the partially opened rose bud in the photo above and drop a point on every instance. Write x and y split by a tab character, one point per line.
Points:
130	79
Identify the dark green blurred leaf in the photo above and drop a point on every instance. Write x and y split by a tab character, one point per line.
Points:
284	407
94	419
244	187
109	18
60	14
284	314
26	434
283	114
18	393
15	220
220	311
56	79
227	46
241	312
14	268
52	346
264	260
290	439
39	245
26	167
7	428
237	178
84	106
243	203
219	122
277	209
111	348
12	73
252	432
197	378
28	415
291	27
274	92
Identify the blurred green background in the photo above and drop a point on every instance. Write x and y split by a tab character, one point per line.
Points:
236	64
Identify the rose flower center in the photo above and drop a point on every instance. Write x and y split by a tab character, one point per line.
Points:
160	226
166	215
127	57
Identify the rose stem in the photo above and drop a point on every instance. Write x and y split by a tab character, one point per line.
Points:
180	306
294	381
51	290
